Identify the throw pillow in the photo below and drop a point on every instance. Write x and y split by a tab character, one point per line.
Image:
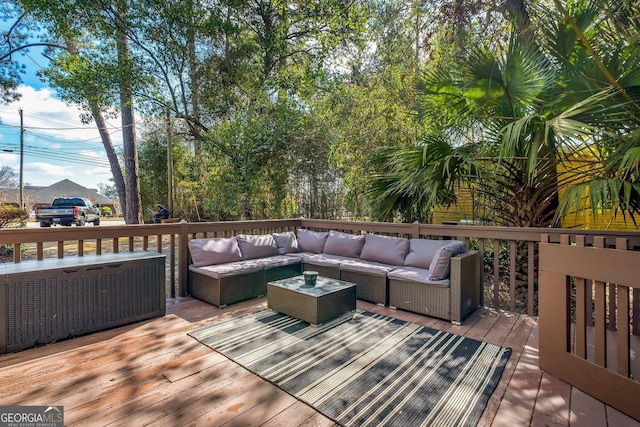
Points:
441	263
421	252
286	242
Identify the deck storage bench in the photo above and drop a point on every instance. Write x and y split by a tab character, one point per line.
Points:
52	299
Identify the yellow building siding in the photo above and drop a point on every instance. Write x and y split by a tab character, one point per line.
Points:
463	210
605	220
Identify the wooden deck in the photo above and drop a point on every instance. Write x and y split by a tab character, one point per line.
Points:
152	373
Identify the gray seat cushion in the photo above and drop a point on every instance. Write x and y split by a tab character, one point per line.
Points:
366	267
278	261
326	260
230	269
300	255
419	275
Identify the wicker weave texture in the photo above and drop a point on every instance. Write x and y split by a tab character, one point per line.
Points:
315	309
453	303
420	298
228	290
368	287
282	272
466	285
49	304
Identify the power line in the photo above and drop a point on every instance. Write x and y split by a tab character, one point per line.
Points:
111	128
92	143
63	155
73	123
68	159
57	118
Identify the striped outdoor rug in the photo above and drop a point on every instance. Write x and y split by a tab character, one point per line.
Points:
365	369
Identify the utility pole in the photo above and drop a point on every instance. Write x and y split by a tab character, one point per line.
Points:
21	160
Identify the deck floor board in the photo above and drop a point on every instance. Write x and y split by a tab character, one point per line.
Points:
152	373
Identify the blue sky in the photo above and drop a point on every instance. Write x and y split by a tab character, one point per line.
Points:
57	145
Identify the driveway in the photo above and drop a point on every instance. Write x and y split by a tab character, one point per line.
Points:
103	222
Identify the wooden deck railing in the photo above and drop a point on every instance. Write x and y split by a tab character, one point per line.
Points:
588	282
510	254
40	243
590	318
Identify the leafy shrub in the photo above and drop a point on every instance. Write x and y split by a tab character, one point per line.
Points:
12	217
488	253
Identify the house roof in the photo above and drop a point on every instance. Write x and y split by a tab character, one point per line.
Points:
66	188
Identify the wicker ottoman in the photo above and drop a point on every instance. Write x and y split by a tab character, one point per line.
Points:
329	299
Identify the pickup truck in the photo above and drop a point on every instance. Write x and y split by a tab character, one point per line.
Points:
67	211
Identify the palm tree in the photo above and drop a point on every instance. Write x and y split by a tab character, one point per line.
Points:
512	113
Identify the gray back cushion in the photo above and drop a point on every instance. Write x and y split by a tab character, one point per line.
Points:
421	252
441	263
286	242
214	251
311	241
343	244
385	249
256	246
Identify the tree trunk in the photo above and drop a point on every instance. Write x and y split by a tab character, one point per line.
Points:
133	211
96	113
196	129
518	12
116	170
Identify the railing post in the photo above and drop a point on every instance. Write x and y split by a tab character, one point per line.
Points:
600	304
583	300
553	297
623	339
183	259
415	230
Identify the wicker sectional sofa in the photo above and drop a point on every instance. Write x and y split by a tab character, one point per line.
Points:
439	278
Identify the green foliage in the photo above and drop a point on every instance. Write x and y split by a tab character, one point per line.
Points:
415	179
523	108
373	109
12	217
154	177
252	155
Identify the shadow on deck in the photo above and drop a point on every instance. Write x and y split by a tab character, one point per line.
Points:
153	373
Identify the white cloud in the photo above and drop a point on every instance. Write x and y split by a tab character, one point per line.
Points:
44	113
57	144
40	173
96	176
9	159
100	155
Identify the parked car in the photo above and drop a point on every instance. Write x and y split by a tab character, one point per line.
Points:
68	211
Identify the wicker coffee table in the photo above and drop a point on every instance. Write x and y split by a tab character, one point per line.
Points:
328	299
